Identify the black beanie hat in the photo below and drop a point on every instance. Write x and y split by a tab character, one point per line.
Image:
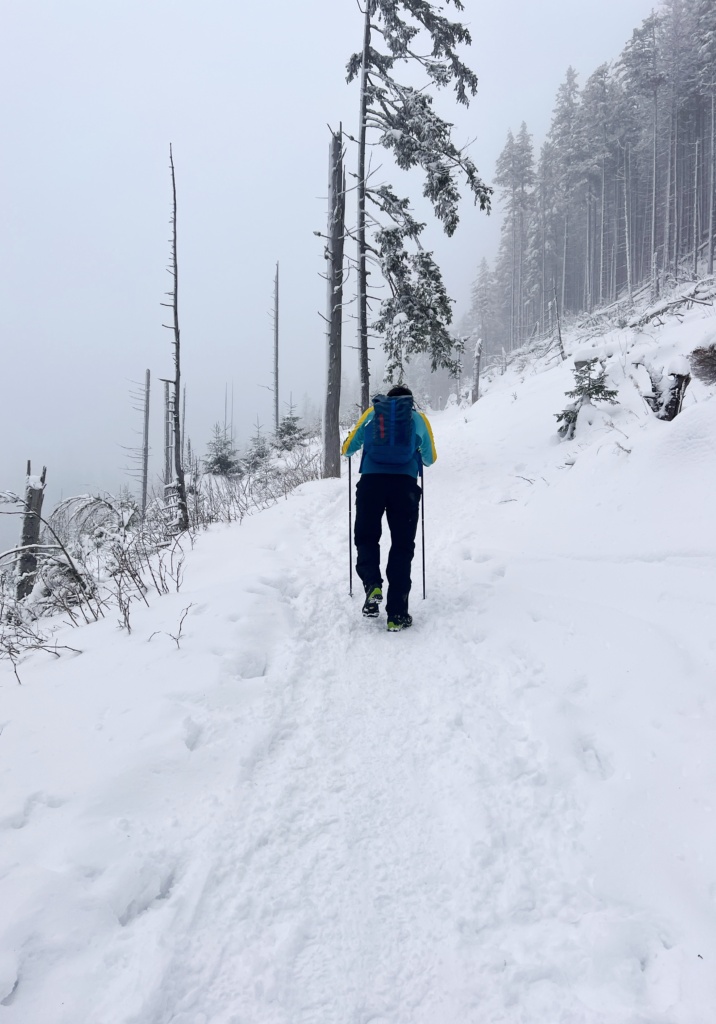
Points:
400	389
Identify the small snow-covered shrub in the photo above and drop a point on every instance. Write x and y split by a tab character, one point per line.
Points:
589	387
703	363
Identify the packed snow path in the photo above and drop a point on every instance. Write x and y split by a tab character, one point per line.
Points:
501	815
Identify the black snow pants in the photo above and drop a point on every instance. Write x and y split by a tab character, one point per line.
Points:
398	495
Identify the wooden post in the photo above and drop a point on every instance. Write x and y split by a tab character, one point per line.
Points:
27	562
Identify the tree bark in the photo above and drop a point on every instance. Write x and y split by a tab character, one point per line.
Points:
182	520
666	261
562	353
601	235
145	444
712	181
275	353
696	211
27	562
627	227
564	264
654	276
334	307
476	372
168	444
360	228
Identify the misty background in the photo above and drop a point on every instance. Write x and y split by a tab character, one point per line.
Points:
95	91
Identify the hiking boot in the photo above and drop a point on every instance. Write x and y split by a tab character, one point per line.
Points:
398	622
373	597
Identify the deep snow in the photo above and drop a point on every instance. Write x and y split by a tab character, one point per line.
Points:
505	814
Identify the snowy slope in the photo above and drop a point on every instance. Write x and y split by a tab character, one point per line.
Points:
293	817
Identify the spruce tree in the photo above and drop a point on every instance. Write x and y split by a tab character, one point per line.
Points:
515	176
221	459
416	315
289	434
589	387
641	67
257	453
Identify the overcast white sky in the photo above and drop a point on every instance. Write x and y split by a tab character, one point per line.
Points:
93	93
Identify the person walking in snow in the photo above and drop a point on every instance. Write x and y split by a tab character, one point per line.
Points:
397	442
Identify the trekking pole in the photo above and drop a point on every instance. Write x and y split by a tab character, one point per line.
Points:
422	519
350	530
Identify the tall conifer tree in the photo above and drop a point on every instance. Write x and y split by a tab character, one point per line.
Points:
416	315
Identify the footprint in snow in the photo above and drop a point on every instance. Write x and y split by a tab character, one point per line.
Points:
594	761
192	734
23	818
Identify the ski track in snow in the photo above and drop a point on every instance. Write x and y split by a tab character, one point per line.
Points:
368	828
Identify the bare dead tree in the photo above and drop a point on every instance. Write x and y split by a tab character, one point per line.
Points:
476	372
182	519
168	435
334	311
31	520
145	442
139	456
275	352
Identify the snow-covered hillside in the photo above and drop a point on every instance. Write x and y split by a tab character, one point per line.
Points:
289	816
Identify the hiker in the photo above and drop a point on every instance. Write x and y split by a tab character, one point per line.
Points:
397	441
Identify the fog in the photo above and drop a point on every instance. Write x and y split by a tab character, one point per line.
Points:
94	93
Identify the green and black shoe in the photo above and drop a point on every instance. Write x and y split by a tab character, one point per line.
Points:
373	597
398	622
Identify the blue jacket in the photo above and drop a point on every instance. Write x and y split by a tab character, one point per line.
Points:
425	446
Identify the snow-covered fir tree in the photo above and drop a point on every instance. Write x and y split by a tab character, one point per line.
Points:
221	455
590	386
289	434
258	451
625	187
416	315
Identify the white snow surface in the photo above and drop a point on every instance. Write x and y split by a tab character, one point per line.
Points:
504	814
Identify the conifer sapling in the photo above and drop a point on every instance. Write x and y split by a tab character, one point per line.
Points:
589	387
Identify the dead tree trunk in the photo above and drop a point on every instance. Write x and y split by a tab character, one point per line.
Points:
361	225
275	353
696	212
182	517
562	353
654	177
476	372
673	398
27	562
145	443
334	310
627	229
712	181
168	442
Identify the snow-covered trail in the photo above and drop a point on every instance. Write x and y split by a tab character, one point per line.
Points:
408	848
486	818
399	809
399	812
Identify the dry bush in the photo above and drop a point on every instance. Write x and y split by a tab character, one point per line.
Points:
703	363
